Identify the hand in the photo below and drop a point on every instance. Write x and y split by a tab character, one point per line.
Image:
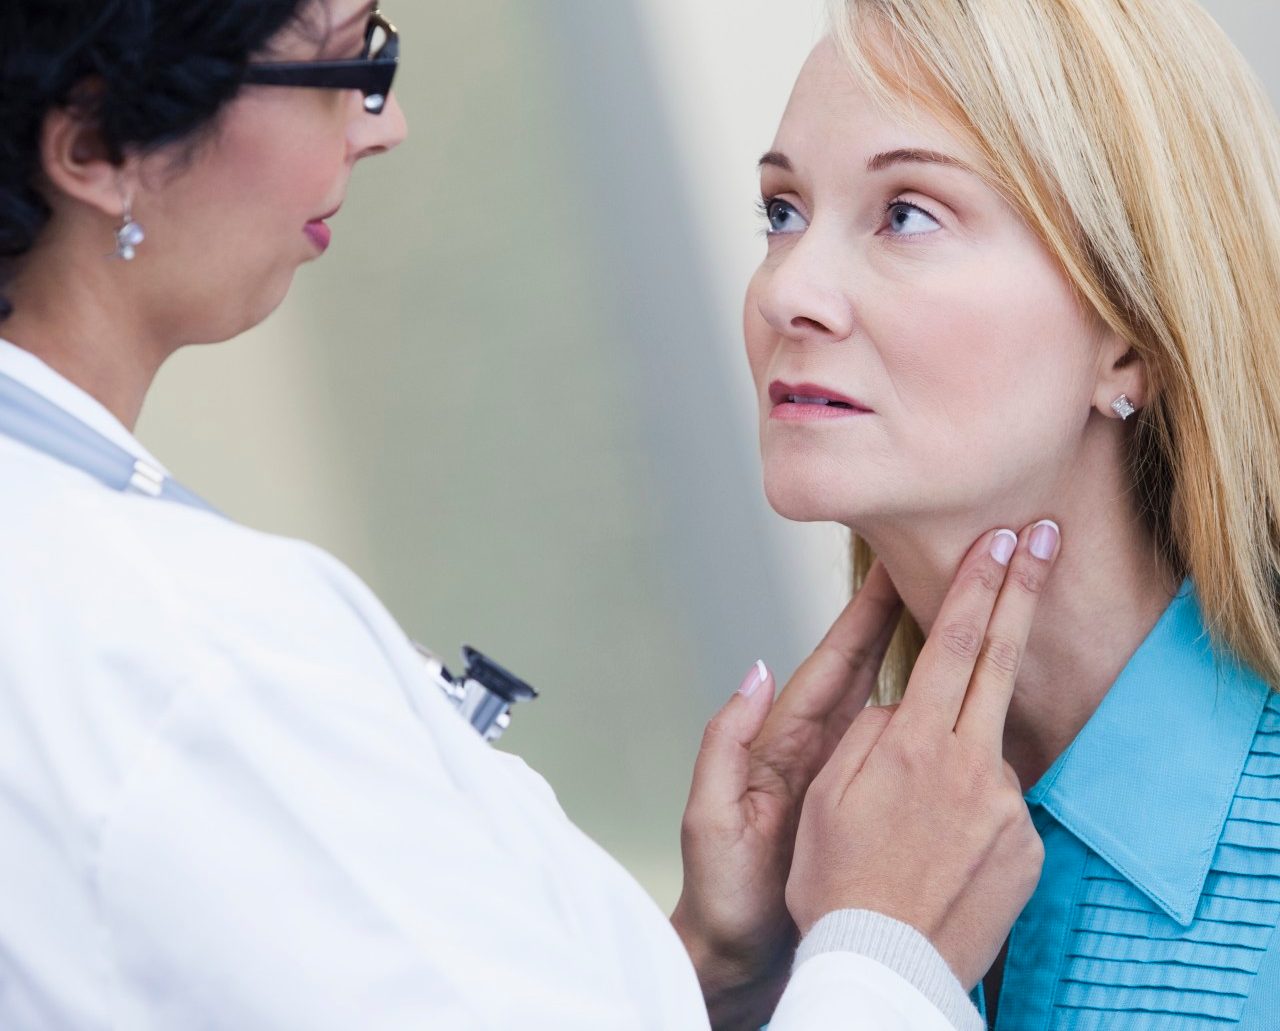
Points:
917	815
757	759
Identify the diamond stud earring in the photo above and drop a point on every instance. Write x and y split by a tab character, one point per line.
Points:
1123	407
129	236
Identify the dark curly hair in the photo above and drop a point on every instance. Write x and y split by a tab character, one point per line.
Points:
149	72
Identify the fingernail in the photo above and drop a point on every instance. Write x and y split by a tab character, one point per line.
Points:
758	674
1044	539
1003	545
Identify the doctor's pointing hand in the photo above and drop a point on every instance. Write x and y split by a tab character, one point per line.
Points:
910	822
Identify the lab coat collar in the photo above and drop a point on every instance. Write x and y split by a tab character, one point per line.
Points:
1148	783
33	373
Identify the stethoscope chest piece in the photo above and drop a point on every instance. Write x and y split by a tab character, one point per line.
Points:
484	695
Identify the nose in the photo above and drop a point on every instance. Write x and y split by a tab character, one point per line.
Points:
805	295
377	134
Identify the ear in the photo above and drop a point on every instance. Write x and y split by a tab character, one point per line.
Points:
78	166
1120	371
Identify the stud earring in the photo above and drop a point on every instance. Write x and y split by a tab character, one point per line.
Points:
1123	407
129	236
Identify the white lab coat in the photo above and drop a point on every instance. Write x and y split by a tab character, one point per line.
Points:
230	799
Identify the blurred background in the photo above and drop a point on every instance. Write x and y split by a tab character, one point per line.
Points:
513	397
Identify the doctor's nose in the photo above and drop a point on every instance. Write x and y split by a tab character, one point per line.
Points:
370	134
805	296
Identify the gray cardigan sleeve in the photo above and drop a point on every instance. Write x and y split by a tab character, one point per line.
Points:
902	949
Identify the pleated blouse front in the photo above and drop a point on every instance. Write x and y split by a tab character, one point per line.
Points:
1158	905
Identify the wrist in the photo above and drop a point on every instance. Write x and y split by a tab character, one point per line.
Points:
901	948
740	985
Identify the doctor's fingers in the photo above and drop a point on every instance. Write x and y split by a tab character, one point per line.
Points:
722	771
831	686
849	656
852	751
940	680
986	705
827	693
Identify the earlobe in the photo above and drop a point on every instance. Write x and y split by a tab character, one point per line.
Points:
1122	388
77	165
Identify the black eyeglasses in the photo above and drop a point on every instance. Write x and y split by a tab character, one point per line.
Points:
371	73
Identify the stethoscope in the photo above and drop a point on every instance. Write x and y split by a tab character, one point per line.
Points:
484	693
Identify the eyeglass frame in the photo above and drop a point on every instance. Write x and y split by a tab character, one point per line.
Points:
372	76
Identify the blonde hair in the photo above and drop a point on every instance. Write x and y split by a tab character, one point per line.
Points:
1134	139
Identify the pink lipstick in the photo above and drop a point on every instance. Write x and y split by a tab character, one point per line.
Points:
319	234
807	401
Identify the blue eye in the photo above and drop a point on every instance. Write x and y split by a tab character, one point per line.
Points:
781	217
908	220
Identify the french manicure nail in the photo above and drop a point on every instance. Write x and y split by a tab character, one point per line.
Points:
1003	545
1044	539
758	674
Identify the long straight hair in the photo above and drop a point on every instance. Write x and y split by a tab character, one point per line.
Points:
1133	138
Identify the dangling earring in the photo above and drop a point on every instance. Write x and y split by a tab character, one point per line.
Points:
1123	407
129	236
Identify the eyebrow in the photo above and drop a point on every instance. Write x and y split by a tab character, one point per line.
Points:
911	155
776	159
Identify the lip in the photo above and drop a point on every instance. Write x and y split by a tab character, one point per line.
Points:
319	234
780	390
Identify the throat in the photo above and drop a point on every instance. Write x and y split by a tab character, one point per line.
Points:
1102	599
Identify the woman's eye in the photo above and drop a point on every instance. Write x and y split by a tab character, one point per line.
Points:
908	220
781	216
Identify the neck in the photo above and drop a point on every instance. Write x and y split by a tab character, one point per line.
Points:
1107	591
81	322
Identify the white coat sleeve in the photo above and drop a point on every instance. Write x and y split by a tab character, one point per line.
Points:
845	991
291	851
905	971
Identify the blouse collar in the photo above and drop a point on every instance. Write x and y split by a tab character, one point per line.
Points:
1148	782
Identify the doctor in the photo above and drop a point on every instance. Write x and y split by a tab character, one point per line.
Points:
230	797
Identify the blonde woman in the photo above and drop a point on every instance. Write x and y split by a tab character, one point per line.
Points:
1024	257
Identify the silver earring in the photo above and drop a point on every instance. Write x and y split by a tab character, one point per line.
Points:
129	236
1123	407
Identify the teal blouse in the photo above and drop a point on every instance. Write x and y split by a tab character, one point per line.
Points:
1160	896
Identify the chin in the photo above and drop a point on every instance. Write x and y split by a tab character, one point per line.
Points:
262	301
806	501
235	309
851	498
809	485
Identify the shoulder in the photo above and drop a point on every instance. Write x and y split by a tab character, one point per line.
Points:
124	602
79	547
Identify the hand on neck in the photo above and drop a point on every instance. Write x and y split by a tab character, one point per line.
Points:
1107	591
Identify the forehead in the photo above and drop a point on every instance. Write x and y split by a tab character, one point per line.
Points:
832	115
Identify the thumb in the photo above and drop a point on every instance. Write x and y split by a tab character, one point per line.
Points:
720	774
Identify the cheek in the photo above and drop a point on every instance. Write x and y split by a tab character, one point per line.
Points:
279	155
756	331
231	226
992	377
291	173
